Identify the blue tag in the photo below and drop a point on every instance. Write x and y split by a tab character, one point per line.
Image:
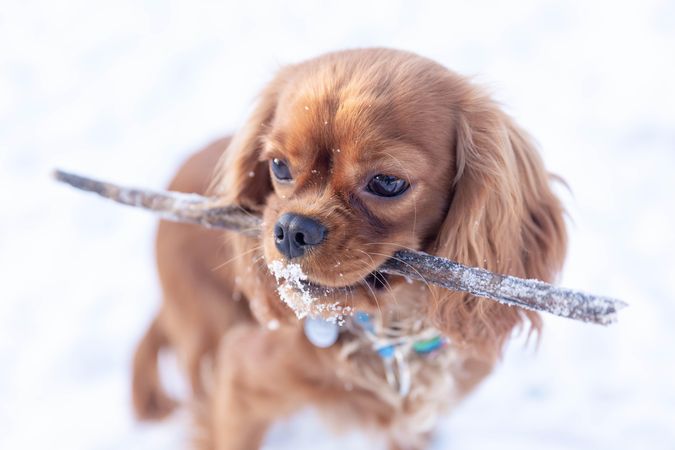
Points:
364	320
320	332
387	351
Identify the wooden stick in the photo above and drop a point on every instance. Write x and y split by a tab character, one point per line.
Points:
513	291
530	294
173	206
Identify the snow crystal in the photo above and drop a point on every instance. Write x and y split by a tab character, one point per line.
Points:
295	290
291	288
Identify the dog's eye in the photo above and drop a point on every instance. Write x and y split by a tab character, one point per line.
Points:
387	186
281	170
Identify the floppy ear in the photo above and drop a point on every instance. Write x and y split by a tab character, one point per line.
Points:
503	216
241	178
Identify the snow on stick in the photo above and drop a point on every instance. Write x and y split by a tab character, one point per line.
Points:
173	206
530	294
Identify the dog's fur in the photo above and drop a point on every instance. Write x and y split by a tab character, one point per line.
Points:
479	194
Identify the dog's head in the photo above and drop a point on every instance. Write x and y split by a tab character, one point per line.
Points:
357	154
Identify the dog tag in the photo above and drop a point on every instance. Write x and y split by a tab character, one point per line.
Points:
320	332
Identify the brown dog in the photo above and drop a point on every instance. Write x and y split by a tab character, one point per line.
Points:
350	157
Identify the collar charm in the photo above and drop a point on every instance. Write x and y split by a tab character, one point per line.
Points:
320	332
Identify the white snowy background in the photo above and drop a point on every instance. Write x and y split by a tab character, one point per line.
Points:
125	90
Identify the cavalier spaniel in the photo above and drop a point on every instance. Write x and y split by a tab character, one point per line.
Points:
348	158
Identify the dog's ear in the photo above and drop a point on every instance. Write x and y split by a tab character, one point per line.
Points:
241	178
502	216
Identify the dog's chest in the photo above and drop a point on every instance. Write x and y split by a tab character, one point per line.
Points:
405	363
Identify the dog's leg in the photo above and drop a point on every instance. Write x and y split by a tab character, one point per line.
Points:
261	376
418	442
201	348
149	398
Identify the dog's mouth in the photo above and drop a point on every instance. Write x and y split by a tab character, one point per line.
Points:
375	281
308	298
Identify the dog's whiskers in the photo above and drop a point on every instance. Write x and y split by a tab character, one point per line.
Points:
234	258
383	280
403	262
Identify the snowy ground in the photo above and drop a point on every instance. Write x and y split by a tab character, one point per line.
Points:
125	90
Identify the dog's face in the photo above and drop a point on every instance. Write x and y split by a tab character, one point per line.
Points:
358	154
354	176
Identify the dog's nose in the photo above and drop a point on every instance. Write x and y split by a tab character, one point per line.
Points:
293	234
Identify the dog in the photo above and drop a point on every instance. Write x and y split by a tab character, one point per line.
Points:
348	158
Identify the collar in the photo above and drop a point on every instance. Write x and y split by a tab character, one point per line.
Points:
396	342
